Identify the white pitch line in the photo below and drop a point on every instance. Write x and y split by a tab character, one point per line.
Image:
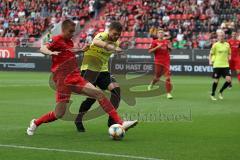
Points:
76	151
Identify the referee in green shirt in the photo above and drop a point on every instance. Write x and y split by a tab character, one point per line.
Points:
219	57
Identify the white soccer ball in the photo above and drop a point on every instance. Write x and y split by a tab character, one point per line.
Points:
116	132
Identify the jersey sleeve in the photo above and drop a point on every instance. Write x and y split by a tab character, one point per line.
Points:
52	44
101	36
213	52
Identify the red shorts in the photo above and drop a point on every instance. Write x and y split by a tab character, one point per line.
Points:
162	69
65	85
235	64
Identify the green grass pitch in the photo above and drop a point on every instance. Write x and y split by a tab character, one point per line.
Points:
189	127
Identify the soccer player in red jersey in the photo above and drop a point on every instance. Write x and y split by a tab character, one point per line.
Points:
161	48
67	79
235	57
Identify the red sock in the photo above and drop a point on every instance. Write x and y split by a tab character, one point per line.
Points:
109	108
168	85
238	76
49	117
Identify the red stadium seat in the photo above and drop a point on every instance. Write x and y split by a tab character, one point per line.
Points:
184	16
139	46
203	17
132	34
146	46
172	17
138	40
178	17
147	40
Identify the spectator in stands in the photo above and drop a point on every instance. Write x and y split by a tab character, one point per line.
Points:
91	7
1	31
192	16
201	40
166	19
153	32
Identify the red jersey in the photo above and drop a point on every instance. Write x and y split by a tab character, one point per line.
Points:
161	55
58	43
235	47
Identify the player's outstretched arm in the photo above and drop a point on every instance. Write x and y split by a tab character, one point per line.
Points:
152	50
80	49
210	59
107	46
46	51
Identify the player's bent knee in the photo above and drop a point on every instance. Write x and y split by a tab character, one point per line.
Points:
228	79
60	109
98	94
59	113
215	80
112	86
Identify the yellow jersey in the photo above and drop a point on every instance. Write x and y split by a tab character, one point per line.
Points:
96	58
220	52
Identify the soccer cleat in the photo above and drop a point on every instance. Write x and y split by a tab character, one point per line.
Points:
169	96
220	96
79	126
32	128
213	98
150	87
129	124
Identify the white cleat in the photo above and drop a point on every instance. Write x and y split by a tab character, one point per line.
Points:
169	96
129	124
32	128
220	96
213	98
150	87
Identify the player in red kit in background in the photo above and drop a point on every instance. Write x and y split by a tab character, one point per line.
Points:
235	56
161	48
68	80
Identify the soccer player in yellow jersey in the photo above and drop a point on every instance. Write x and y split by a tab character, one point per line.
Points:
95	69
219	57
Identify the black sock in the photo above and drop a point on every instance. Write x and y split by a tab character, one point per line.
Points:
225	85
214	87
85	106
115	100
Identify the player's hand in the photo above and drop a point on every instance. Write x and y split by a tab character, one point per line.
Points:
86	47
75	49
54	53
210	63
118	50
159	46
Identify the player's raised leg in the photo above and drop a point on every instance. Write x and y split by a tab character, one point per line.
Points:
93	92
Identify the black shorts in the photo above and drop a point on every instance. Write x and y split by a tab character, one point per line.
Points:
221	72
100	79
